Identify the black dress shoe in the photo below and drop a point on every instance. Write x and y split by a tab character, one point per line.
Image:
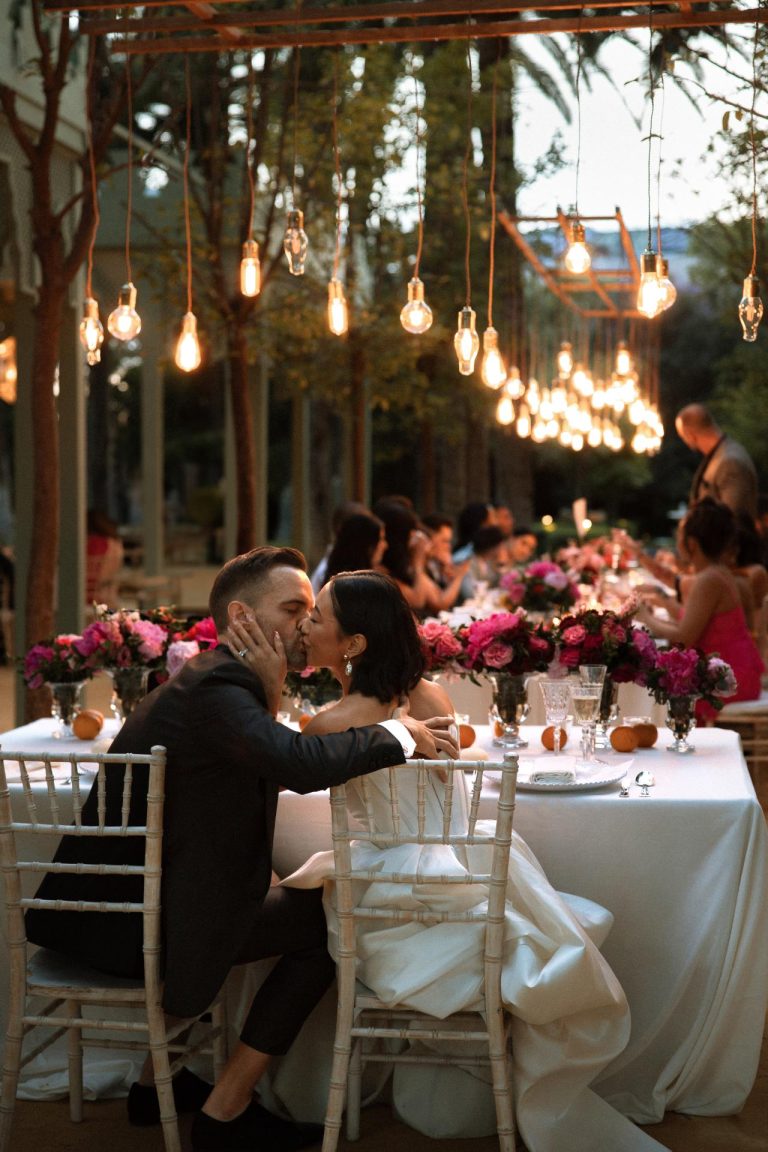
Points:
254	1130
189	1094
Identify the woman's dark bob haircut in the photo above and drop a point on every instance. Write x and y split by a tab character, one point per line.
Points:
712	525
373	605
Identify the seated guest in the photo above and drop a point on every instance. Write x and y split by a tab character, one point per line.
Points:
488	560
712	616
522	546
504	519
226	759
340	514
440	566
405	560
104	559
361	542
471	519
748	560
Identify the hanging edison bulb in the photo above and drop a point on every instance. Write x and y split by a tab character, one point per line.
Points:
623	360
466	341
565	437
558	398
416	315
250	269
546	412
515	386
9	374
648	292
505	409
533	395
577	258
188	356
595	436
565	359
295	242
577	442
539	430
492	368
523	423
750	308
91	332
338	313
124	322
667	290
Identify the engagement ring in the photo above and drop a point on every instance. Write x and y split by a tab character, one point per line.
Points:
243	653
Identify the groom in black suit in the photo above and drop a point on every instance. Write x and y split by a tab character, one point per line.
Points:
226	760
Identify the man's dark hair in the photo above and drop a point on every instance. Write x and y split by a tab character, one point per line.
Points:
372	604
434	521
241	576
486	539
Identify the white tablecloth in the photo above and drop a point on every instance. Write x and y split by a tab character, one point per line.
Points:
685	873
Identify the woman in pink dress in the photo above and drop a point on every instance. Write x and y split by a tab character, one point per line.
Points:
713	616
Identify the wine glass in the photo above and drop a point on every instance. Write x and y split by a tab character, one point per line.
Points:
592	673
557	699
585	701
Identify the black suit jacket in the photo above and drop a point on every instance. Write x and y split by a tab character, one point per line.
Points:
227	757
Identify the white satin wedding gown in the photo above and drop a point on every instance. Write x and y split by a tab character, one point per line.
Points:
570	1016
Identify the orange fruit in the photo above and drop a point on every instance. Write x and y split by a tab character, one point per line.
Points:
647	735
624	738
466	735
548	738
498	729
87	724
304	719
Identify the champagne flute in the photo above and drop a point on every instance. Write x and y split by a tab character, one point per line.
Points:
557	699
592	673
585	701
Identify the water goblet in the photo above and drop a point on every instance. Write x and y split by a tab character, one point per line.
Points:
557	700
585	701
592	673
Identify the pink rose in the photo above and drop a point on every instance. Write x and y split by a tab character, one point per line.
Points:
576	634
498	654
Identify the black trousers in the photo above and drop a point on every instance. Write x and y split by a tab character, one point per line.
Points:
291	925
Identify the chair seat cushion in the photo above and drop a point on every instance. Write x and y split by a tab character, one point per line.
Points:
49	969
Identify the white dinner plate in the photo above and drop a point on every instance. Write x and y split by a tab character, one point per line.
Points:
599	776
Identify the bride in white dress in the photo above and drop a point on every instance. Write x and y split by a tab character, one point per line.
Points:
570	1016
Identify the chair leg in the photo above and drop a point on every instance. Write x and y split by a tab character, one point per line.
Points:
158	1046
354	1089
501	1080
337	1089
220	1021
11	1065
73	1008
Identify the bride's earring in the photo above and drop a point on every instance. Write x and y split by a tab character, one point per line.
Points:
348	666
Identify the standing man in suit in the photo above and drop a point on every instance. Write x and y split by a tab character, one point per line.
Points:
726	473
227	757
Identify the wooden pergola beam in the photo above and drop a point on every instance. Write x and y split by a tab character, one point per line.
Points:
206	29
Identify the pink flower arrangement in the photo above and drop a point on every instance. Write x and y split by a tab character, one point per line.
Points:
55	661
441	647
505	642
597	636
690	672
183	647
539	587
123	639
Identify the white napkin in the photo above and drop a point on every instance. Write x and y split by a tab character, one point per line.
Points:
553	774
474	752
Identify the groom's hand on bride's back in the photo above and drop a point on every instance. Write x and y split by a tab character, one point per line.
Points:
436	738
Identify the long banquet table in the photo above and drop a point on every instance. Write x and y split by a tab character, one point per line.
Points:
685	873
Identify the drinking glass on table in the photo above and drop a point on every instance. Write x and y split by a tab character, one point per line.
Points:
592	673
585	702
557	700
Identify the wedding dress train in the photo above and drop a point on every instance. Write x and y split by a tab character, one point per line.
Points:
570	1016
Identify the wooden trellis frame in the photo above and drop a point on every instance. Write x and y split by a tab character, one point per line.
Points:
195	26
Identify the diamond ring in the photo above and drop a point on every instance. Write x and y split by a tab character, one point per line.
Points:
243	653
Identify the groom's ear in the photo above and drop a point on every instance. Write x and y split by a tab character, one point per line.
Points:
237	610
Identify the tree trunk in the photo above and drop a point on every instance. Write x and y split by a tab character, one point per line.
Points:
242	419
44	547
